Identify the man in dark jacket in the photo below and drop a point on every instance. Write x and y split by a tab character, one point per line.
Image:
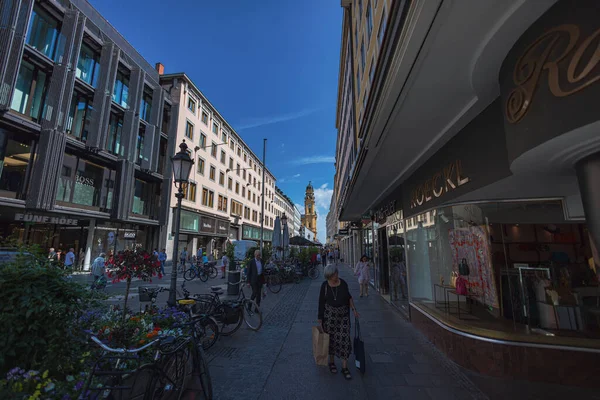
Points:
255	276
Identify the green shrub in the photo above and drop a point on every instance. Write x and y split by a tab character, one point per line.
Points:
39	307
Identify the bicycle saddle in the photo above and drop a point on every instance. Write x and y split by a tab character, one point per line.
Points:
216	289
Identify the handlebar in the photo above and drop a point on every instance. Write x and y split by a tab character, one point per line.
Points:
123	351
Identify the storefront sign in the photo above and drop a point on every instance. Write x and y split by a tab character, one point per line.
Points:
442	182
43	219
564	44
222	227
84	181
343	231
385	211
207	224
129	235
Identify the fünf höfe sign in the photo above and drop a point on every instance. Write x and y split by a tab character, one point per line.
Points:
443	181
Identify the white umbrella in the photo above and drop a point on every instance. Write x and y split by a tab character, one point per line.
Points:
276	243
285	242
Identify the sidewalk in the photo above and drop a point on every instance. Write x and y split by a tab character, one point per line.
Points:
400	363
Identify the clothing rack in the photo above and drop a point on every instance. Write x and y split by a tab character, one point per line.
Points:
529	270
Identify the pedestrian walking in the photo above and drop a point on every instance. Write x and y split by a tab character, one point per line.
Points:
162	257
51	254
81	258
70	259
199	254
256	277
335	303
362	272
319	258
183	256
98	270
225	261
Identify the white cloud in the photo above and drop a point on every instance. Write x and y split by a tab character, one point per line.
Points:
300	208
256	122
314	160
296	176
322	200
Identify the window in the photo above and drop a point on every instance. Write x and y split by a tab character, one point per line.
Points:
382	27
239	151
254	197
215	128
213	150
221	178
224	137
192	105
208	198
369	23
249	195
146	106
212	173
139	148
229	183
237	169
245	157
121	90
222	203
200	166
202	141
85	183
189	191
237	187
372	71
189	130
88	65
30	91
43	33
243	191
254	182
254	216
80	115
236	208
15	159
223	157
166	121
363	57
115	130
244	174
231	163
246	212
231	145
205	118
142	198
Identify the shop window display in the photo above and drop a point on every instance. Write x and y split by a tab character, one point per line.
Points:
15	155
86	184
513	271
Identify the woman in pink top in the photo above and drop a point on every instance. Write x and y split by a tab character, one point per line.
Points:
362	272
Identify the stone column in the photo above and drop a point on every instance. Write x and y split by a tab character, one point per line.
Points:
588	175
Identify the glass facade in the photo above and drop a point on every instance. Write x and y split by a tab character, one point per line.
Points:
85	184
515	270
115	130
88	65
15	157
30	91
43	33
80	117
146	106
121	90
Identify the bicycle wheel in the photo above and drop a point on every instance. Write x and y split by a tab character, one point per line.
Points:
167	383
201	371
313	273
189	274
203	275
208	330
274	284
212	272
221	316
297	278
252	314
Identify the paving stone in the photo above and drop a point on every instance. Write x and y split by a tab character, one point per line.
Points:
381	358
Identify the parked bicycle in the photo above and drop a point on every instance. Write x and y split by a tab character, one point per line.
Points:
272	278
202	271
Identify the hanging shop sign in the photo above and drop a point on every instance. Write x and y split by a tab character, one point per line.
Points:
44	219
207	224
443	181
385	211
343	232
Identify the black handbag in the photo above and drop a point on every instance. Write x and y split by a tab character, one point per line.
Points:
359	349
463	268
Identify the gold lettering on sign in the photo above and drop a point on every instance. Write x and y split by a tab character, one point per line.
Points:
447	179
548	53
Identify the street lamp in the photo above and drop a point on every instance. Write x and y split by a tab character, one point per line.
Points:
182	166
284	224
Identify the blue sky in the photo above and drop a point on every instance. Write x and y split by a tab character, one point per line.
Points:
269	66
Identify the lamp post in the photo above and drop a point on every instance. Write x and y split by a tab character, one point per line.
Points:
182	166
284	224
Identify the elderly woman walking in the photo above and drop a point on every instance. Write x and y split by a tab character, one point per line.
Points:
362	272
335	302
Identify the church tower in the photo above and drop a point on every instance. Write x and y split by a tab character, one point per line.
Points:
309	219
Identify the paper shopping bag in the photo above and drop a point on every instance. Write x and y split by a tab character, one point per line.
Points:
320	341
359	349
